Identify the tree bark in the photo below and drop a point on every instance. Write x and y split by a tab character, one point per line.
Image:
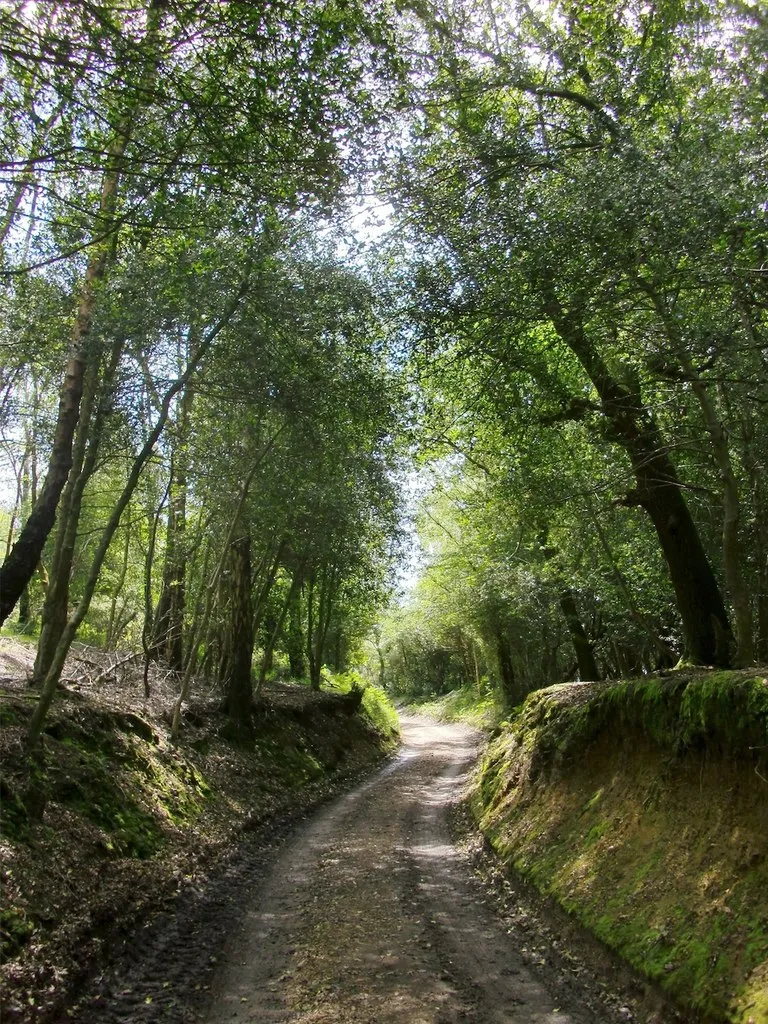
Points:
509	687
84	455
239	684
149	558
19	567
168	639
296	658
53	674
760	536
116	622
201	625
731	544
744	653
275	632
585	655
317	624
314	668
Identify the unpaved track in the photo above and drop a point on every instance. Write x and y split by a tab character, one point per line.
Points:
371	915
368	913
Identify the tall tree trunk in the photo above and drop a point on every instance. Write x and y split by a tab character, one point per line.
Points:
84	457
238	700
732	554
146	632
702	610
736	586
27	499
56	667
475	665
509	687
167	642
585	655
314	667
296	658
116	625
317	628
202	622
20	564
274	633
760	536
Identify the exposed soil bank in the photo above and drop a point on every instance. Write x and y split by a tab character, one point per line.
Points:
643	809
123	824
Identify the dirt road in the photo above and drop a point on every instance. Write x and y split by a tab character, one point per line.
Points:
371	916
366	913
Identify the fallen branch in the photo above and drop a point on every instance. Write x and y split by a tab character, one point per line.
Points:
134	656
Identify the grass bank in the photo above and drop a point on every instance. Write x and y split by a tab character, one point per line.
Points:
119	820
642	807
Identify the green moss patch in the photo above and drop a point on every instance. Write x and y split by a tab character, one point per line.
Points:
643	808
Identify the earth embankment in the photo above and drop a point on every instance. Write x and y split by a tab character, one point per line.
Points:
642	808
369	913
113	824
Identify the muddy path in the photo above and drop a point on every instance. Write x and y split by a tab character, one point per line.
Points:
369	912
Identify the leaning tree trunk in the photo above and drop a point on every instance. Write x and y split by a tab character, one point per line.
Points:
736	585
56	667
19	567
84	458
659	492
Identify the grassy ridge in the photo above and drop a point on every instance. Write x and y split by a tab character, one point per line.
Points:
642	807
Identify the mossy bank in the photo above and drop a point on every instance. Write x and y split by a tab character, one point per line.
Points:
116	819
642	808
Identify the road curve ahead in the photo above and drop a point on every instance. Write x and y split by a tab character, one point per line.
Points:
371	914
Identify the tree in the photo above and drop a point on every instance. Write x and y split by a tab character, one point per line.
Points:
144	132
543	180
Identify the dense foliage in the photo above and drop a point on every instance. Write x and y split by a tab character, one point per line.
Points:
216	473
202	389
582	225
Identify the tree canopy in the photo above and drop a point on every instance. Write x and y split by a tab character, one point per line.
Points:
208	400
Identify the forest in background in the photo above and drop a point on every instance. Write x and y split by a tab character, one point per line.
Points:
212	392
